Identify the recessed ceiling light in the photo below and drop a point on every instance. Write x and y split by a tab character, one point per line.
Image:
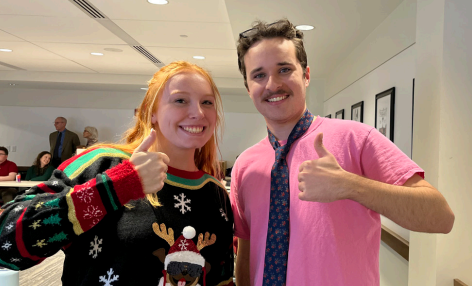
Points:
183	36
97	54
158	2
5	50
144	88
199	57
12	84
304	27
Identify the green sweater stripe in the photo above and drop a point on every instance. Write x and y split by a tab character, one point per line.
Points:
190	183
94	155
11	266
112	201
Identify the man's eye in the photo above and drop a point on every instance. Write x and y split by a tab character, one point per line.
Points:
285	70
260	75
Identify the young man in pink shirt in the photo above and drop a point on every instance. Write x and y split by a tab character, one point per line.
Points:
307	199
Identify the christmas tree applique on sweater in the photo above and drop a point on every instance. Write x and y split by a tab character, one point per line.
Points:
183	265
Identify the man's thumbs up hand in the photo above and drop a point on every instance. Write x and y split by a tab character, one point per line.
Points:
322	180
151	166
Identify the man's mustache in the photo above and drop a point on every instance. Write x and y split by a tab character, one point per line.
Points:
278	92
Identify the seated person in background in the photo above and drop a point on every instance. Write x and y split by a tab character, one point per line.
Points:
91	134
41	169
8	171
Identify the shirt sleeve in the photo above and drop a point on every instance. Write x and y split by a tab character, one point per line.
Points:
241	229
383	161
76	198
13	168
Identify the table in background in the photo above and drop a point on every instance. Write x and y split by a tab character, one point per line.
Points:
22	184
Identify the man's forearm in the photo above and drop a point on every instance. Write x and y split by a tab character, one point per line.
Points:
416	205
242	273
8	178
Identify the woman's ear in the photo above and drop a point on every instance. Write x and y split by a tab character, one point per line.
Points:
154	119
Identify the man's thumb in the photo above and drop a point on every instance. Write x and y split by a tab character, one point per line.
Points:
319	147
147	143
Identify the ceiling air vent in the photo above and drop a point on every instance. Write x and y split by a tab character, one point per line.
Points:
147	54
89	9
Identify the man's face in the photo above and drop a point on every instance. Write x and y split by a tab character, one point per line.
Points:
275	80
60	124
3	156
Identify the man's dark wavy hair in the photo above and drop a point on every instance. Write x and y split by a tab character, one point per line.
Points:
261	30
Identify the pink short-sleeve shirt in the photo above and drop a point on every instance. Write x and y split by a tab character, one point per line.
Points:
330	243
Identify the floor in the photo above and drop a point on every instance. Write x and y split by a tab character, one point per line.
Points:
48	273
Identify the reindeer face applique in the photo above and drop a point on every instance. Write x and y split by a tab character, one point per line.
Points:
183	265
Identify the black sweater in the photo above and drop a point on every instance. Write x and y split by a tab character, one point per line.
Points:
81	211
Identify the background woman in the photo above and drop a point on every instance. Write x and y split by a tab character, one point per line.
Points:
176	228
91	134
41	169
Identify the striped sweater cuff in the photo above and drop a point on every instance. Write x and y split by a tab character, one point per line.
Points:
126	182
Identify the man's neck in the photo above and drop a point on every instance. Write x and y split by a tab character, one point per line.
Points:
282	130
61	130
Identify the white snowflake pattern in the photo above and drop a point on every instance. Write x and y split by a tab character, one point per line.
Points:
7	245
55	183
86	195
10	226
95	244
15	260
182	203
183	244
18	208
109	279
223	214
94	214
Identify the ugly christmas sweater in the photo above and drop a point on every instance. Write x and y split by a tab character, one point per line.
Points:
81	210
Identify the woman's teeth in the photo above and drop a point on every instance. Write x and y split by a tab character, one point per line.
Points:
277	98
193	129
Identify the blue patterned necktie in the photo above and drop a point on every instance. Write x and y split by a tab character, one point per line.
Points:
276	254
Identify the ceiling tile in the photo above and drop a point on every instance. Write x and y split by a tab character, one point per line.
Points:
26	51
126	62
4	36
56	8
167	34
59	30
226	57
61	65
181	10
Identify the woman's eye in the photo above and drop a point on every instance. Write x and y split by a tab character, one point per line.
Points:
207	102
180	101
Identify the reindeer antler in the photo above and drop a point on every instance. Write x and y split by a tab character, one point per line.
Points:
162	232
205	242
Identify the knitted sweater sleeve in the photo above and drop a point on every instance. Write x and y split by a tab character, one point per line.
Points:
77	197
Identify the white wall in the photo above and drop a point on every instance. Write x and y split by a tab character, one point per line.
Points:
393	268
454	254
28	129
242	130
396	33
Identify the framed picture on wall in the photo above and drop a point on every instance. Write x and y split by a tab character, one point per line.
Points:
385	112
328	116
339	114
357	112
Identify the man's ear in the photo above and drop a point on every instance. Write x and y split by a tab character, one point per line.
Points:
307	76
